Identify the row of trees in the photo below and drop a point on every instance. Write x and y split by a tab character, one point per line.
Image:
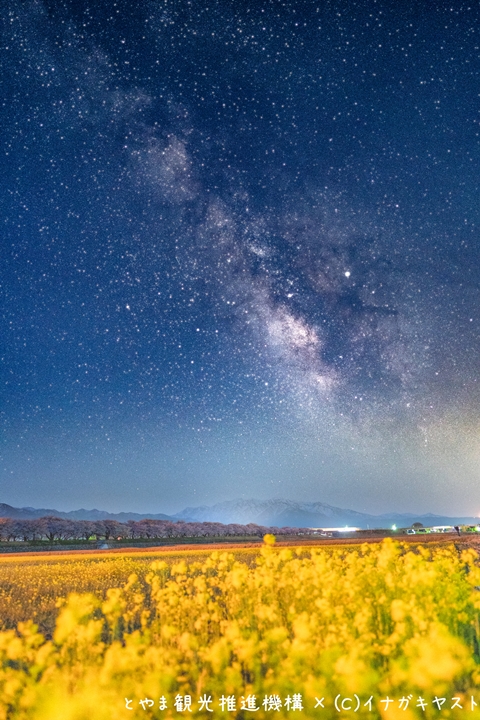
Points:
54	528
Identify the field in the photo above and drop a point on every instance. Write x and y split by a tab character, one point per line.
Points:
373	630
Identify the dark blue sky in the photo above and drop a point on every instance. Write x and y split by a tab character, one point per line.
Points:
240	254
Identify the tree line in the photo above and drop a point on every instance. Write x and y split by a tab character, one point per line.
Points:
54	528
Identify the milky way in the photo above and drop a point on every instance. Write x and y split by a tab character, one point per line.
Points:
240	254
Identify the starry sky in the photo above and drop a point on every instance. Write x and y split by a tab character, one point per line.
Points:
240	253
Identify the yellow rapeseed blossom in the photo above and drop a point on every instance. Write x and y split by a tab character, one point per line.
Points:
372	622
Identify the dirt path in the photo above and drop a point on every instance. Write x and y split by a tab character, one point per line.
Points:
461	542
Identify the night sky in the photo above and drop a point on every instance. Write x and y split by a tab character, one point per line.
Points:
240	253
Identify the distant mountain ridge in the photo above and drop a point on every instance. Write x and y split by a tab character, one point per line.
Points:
285	512
29	513
276	512
280	513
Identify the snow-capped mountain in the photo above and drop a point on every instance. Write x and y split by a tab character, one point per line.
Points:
276	512
280	513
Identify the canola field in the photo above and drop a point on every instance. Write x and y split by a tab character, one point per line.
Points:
370	631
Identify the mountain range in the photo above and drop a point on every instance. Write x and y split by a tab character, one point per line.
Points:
271	513
29	513
280	513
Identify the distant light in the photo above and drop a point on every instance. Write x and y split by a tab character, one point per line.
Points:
347	273
394	527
